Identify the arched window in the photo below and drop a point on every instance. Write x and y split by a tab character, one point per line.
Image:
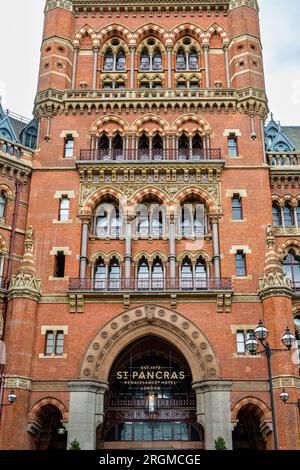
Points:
157	221
181	60
291	265
183	147
200	274
157	274
186	274
107	220
288	215
145	60
3	201
193	60
197	145
193	219
121	60
100	275
109	61
30	138
298	214
114	274
143	274
144	146
276	215
157	147
117	145
103	146
157	60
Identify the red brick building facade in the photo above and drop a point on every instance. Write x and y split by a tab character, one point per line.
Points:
136	240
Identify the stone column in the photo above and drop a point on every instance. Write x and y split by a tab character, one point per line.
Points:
227	66
74	69
128	251
216	247
206	48
172	250
213	411
169	58
84	245
86	411
95	50
132	60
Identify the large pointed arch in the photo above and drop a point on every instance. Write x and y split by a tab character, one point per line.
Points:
114	29
91	202
215	27
202	125
139	195
86	29
146	320
188	29
211	203
286	246
100	124
151	118
151	29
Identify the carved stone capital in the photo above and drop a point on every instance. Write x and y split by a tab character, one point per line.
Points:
275	284
87	386
14	382
212	386
24	285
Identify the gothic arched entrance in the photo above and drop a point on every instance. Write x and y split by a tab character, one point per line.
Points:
150	402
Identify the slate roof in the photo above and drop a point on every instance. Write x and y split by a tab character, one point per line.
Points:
293	134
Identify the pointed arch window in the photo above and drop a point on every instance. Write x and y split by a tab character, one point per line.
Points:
114	274
3	202
143	274
109	61
193	219
157	221
107	220
117	145
121	60
197	145
181	63
276	211
145	60
157	147
200	274
193	60
157	60
103	146
100	274
183	146
144	146
288	215
186	274
298	214
157	274
291	265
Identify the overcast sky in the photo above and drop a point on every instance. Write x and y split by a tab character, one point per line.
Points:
21	29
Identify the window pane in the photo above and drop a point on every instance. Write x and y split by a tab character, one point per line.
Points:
240	264
64	208
237	208
60	264
59	349
232	147
49	347
240	342
2	204
69	147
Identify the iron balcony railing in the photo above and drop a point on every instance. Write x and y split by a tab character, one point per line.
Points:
132	155
296	286
150	285
163	403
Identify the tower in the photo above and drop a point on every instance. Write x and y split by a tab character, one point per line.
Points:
149	175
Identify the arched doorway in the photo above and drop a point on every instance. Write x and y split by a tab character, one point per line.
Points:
150	403
247	433
46	429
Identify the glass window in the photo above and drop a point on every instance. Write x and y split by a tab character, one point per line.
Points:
298	214
288	215
200	275
143	274
240	264
2	204
291	265
145	60
60	264
193	60
186	274
108	61
64	208
49	346
276	215
157	60
114	274
100	275
157	274
181	60
121	60
232	146
69	146
59	343
237	212
240	342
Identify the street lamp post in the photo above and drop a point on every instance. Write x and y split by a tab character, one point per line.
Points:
284	396
11	399
256	338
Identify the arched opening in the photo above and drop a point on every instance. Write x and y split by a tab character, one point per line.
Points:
150	401
151	218
183	146
109	61
3	201
157	147
197	146
145	60
291	265
107	220
157	60
181	63
201	274
288	215
103	146
117	145
193	60
157	276
144	146
276	211
247	433
186	274
114	274
121	60
143	274
297	334
47	432
194	219
100	274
